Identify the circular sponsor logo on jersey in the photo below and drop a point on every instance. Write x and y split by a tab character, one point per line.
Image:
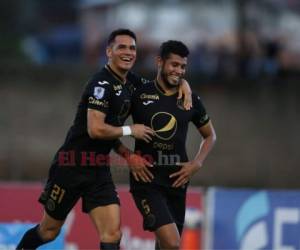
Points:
50	205
164	125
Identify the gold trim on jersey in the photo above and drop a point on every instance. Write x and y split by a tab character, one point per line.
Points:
114	74
160	90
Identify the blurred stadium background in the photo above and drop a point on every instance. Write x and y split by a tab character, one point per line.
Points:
244	63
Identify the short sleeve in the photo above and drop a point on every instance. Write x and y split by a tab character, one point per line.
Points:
200	117
98	94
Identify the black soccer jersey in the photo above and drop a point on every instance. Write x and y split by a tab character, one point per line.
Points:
104	92
166	116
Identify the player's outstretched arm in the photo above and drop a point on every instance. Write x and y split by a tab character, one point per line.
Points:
137	164
190	168
98	129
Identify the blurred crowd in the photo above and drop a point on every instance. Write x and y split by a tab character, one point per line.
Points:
76	33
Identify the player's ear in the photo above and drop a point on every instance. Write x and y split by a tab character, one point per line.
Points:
158	61
109	52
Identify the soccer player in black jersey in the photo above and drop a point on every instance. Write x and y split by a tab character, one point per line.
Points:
80	168
75	172
160	192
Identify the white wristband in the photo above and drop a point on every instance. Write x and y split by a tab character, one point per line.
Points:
126	130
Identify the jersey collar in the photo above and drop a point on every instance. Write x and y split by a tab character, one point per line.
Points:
114	74
161	90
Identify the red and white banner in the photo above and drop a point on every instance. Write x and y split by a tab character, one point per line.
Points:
19	204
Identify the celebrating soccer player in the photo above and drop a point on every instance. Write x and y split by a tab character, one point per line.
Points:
74	174
159	192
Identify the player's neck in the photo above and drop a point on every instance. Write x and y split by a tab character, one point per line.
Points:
169	90
120	74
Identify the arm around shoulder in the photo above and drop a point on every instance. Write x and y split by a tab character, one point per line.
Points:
98	129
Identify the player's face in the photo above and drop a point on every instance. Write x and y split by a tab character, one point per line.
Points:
122	52
172	69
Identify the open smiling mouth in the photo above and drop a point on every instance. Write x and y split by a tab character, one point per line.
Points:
174	78
126	59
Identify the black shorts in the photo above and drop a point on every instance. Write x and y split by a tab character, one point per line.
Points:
66	185
160	206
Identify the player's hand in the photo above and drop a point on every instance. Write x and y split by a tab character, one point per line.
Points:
139	168
185	92
142	132
185	173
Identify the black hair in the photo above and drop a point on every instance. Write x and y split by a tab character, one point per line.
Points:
175	47
119	32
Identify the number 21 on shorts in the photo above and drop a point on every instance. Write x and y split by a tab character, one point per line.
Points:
57	193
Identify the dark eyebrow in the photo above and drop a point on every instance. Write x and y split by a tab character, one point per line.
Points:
176	63
183	65
121	46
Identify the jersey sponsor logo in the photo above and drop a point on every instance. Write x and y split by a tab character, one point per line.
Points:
147	102
164	125
94	101
103	82
117	87
144	96
163	146
99	92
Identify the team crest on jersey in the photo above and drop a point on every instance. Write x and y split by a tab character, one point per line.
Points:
99	92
